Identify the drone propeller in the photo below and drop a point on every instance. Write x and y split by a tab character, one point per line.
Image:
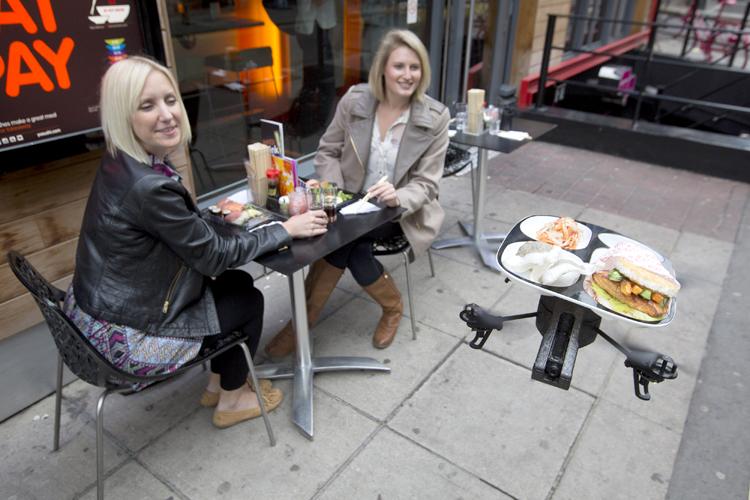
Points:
648	366
482	322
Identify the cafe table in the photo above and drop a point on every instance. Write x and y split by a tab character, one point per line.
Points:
486	142
291	262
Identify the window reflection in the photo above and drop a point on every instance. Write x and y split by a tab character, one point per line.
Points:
242	60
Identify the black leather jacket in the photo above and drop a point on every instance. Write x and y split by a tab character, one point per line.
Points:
144	252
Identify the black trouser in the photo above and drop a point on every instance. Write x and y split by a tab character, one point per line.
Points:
358	257
239	306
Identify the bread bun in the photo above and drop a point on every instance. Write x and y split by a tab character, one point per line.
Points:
663	284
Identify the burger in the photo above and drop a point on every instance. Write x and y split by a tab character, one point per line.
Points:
634	291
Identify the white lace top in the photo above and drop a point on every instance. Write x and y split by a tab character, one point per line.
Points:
383	153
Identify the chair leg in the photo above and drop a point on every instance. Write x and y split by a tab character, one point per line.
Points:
262	405
58	404
100	445
432	266
408	294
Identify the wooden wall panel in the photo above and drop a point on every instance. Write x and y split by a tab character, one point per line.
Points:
30	191
21	237
21	313
53	263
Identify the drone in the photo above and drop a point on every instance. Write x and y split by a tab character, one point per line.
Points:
566	328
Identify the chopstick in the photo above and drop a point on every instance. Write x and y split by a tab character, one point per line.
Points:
368	195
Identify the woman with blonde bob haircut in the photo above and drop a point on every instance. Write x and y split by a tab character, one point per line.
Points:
120	92
387	138
153	283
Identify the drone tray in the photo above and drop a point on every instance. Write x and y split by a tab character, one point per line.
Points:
599	239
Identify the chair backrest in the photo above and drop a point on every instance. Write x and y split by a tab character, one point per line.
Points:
390	246
77	353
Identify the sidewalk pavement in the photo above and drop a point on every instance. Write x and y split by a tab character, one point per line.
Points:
450	421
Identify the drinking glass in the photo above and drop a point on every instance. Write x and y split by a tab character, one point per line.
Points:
298	201
461	116
315	198
329	201
491	117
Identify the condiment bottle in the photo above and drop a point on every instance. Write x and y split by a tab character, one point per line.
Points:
273	182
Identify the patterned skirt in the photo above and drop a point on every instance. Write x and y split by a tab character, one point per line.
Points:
129	349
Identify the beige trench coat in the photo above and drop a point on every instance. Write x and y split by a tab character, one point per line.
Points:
345	147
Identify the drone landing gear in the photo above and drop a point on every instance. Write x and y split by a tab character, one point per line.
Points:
565	328
647	367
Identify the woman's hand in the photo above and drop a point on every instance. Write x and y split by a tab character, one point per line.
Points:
312	183
306	225
384	192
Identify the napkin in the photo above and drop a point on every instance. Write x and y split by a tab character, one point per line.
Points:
359	207
514	135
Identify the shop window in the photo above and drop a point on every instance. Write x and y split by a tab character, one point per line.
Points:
238	61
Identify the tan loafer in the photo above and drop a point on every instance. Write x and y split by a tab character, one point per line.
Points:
224	419
210	399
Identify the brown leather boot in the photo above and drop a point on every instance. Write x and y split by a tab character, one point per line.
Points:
320	282
386	294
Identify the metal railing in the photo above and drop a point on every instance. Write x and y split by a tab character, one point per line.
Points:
643	90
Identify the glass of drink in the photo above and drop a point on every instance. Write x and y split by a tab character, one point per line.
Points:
315	198
461	116
298	201
329	201
491	116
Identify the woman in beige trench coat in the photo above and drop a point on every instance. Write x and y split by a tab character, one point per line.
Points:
387	128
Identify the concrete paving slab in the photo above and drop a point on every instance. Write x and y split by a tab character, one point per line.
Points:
715	447
467	254
30	469
511	206
131	482
137	419
701	257
519	341
669	402
391	467
455	193
278	308
486	416
440	300
377	394
696	308
238	463
619	455
659	238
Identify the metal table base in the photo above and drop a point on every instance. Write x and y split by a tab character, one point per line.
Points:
482	242
304	367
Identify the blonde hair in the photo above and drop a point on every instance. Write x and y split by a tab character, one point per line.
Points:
121	88
390	42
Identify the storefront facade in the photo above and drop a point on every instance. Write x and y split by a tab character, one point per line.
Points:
236	61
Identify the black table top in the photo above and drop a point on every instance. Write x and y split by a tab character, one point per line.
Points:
534	128
347	228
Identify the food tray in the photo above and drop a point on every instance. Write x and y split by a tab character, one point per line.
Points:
599	238
265	217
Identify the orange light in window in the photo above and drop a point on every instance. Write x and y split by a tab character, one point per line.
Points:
267	35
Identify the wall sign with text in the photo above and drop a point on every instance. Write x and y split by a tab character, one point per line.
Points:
53	54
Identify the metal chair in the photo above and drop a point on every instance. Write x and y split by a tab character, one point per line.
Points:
90	366
400	244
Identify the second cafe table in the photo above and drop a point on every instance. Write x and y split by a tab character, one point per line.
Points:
486	142
291	262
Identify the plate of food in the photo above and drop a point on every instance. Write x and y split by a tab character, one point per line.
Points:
543	263
563	232
632	281
239	214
